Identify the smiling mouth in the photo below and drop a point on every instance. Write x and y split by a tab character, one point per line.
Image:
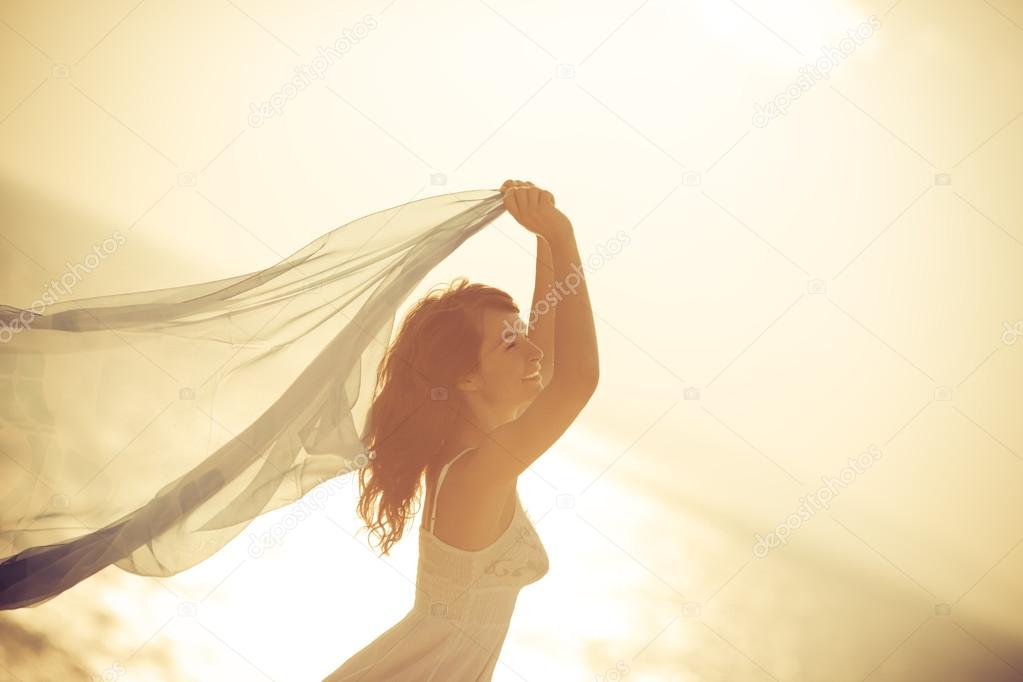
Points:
535	375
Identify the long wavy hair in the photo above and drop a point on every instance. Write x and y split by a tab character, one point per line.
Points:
416	406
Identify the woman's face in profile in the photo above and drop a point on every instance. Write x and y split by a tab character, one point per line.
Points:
507	358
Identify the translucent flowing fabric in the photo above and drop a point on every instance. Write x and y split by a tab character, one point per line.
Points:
147	429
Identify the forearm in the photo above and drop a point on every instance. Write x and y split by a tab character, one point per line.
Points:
575	338
542	312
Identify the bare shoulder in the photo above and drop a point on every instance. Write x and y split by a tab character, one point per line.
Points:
470	511
474	488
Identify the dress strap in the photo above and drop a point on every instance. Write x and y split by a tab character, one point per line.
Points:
440	480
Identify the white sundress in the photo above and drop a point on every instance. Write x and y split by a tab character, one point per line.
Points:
463	607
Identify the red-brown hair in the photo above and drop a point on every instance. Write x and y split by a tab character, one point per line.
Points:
417	406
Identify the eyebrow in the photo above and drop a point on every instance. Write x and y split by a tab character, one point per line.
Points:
518	324
500	342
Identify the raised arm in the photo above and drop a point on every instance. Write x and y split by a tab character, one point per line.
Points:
575	338
544	308
560	281
512	447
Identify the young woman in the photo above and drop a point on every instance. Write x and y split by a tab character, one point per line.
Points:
468	398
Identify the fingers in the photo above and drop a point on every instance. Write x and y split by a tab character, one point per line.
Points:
511	184
533	197
512	201
508	184
523	196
